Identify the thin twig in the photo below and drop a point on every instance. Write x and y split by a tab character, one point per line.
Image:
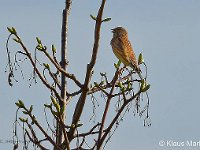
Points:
36	69
117	116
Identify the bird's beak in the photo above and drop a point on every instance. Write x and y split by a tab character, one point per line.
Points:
112	30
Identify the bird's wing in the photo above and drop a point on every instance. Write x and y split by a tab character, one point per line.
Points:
119	50
121	44
131	55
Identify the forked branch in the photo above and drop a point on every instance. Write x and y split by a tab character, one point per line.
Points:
81	102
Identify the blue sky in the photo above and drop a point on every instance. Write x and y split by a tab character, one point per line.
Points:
166	31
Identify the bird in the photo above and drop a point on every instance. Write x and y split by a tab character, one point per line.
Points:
123	49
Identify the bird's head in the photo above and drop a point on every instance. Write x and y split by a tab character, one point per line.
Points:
119	31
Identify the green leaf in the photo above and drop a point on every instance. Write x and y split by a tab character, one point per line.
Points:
38	40
102	82
53	49
120	85
46	65
14	31
23	120
25	112
79	125
123	89
118	64
53	100
10	30
21	104
106	20
55	103
31	108
93	17
16	40
129	86
48	106
143	84
145	88
96	84
140	59
40	47
18	105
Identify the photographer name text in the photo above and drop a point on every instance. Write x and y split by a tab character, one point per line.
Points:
172	143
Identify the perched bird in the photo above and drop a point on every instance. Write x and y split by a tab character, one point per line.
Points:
123	50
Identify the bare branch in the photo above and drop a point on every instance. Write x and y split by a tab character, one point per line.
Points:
34	138
117	116
90	132
99	144
36	69
33	119
81	101
70	76
74	93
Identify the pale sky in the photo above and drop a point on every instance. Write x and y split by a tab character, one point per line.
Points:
167	32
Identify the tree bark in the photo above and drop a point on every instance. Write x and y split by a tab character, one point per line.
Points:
63	63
